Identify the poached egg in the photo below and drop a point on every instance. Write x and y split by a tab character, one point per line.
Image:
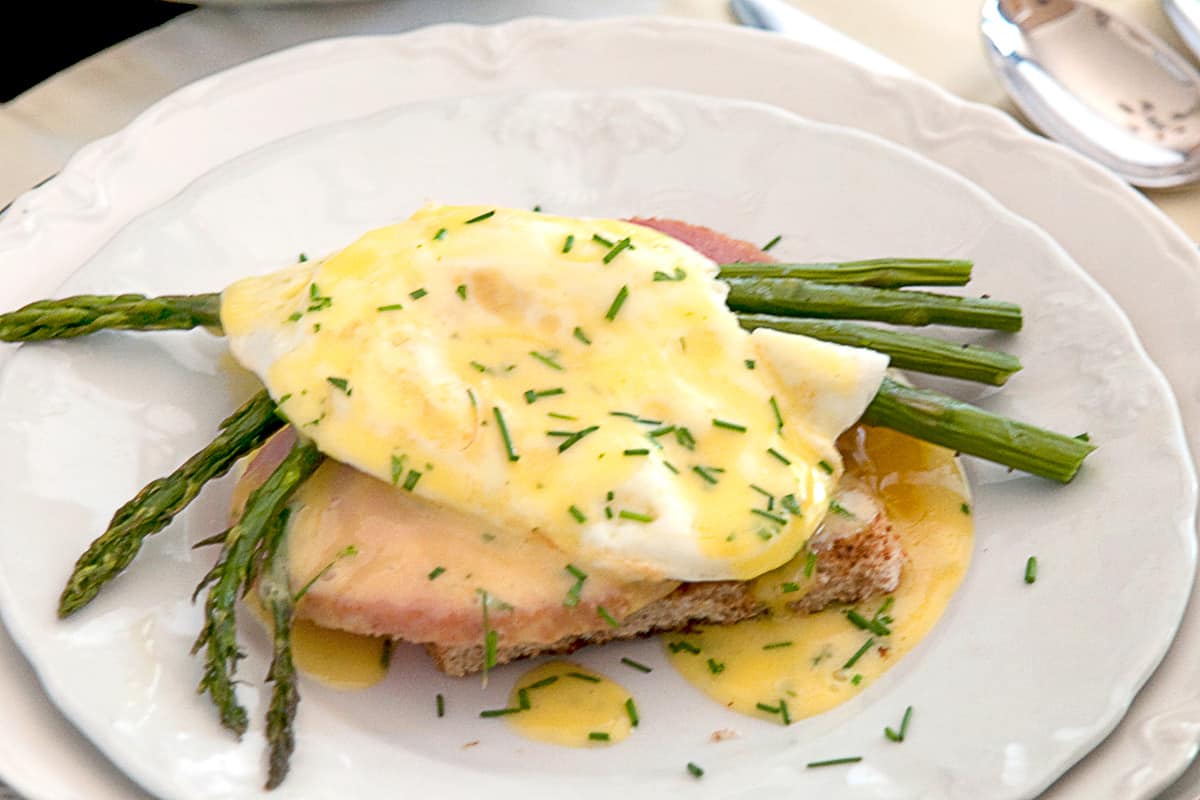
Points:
575	379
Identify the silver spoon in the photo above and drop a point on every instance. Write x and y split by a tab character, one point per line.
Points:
1107	88
1185	16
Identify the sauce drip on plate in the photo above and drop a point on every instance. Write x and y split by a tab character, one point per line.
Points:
572	706
787	667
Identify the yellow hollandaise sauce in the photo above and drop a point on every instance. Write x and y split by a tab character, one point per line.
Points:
787	667
566	704
337	658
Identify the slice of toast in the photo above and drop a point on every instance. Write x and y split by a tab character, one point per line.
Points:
853	563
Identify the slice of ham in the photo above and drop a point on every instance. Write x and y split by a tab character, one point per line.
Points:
713	244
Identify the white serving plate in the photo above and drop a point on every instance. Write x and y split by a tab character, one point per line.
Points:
1102	223
1009	688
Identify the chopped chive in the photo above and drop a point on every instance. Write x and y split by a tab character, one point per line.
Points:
787	587
577	514
630	415
654	434
875	626
533	395
441	234
303	258
749	362
543	682
767	708
583	676
810	563
704	472
695	770
785	717
685	439
392	307
859	653
671	467
635	516
436	571
340	383
295	316
508	445
789	502
640	667
616	250
832	762
598	736
729	426
478	367
481	217
489	636
898	736
397	468
1031	569
410	482
778	416
777	645
499	712
537	209
461	291
576	436
779	455
441	706
617	302
857	679
597	238
641	451
556	415
581	336
576	572
826	466
523	699
569	243
838	508
771	243
1084	437
547	360
768	515
660	276
417	294
684	646
607	617
631	710
966	509
770	497
715	667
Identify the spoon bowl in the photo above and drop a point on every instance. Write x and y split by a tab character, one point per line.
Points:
1100	85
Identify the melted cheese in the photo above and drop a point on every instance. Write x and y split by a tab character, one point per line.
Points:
802	660
579	708
595	395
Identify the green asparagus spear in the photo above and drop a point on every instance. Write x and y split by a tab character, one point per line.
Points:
795	297
234	566
939	419
884	273
906	350
157	504
84	314
274	588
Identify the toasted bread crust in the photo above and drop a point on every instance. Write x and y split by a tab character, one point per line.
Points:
849	569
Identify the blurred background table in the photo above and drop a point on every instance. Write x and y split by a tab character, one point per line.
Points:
89	79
